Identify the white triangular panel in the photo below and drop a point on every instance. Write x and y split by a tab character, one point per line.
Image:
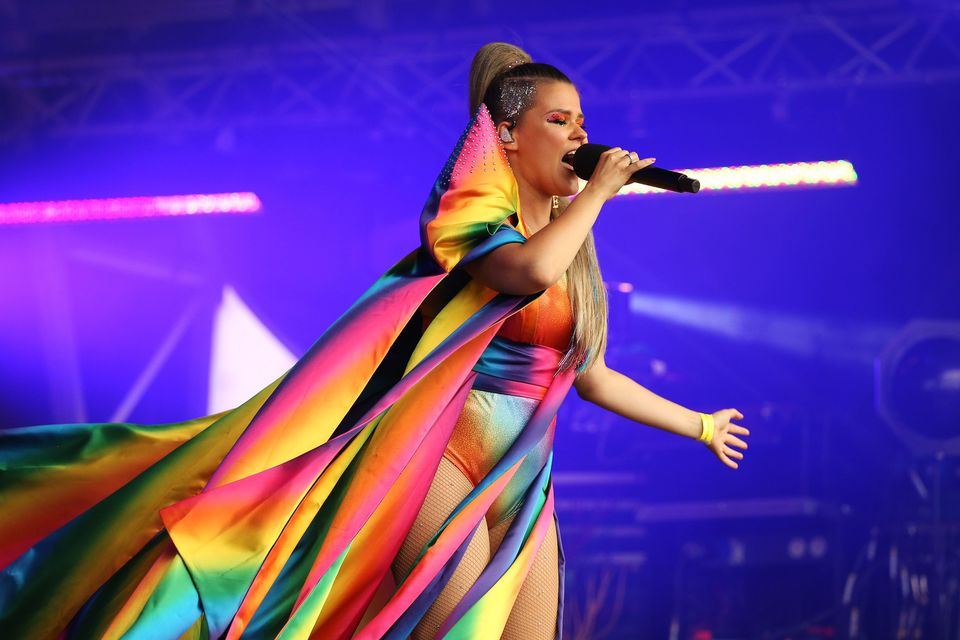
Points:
246	355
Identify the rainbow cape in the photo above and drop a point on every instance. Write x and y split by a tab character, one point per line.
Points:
280	518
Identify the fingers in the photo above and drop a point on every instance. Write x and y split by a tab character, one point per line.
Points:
731	427
730	438
615	168
633	160
727	461
636	163
729	414
624	157
733	453
615	155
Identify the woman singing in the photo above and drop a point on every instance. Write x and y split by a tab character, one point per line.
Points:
396	481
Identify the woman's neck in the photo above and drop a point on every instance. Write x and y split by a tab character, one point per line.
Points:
535	207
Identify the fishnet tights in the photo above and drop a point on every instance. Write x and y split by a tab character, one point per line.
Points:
534	612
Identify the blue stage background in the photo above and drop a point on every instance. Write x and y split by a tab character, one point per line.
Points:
780	302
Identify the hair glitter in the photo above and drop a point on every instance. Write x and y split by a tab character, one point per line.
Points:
513	90
516	96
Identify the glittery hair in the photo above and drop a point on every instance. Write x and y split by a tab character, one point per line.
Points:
505	78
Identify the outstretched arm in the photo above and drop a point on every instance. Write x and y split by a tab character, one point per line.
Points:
616	392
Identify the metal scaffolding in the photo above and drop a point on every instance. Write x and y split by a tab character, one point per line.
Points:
314	78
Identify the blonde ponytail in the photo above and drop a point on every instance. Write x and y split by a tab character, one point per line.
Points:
490	61
588	299
500	70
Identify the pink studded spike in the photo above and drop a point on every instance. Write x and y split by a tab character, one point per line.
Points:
482	152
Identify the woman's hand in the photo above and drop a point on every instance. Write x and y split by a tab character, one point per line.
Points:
614	169
724	439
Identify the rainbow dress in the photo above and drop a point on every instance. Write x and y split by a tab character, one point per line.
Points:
280	518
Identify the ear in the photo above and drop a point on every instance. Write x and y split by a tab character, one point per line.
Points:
506	136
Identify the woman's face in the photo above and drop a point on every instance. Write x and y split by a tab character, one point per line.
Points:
547	131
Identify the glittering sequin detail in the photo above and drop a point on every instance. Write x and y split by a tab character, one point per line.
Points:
476	151
516	96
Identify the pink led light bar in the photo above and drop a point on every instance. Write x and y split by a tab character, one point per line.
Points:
832	173
117	208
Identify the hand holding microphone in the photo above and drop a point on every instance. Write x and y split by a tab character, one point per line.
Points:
608	169
612	168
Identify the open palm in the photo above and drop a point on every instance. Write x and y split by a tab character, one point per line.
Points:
725	437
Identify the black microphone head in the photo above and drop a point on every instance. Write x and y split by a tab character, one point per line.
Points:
585	159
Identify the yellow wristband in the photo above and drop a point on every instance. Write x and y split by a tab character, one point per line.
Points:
706	420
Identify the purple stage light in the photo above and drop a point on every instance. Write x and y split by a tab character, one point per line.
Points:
119	208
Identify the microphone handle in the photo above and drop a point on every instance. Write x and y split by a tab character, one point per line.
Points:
664	179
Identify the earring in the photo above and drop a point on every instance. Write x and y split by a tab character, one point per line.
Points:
555	201
505	135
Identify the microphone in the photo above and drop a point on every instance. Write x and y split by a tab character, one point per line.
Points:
585	159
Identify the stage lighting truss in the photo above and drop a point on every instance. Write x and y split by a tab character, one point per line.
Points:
391	82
